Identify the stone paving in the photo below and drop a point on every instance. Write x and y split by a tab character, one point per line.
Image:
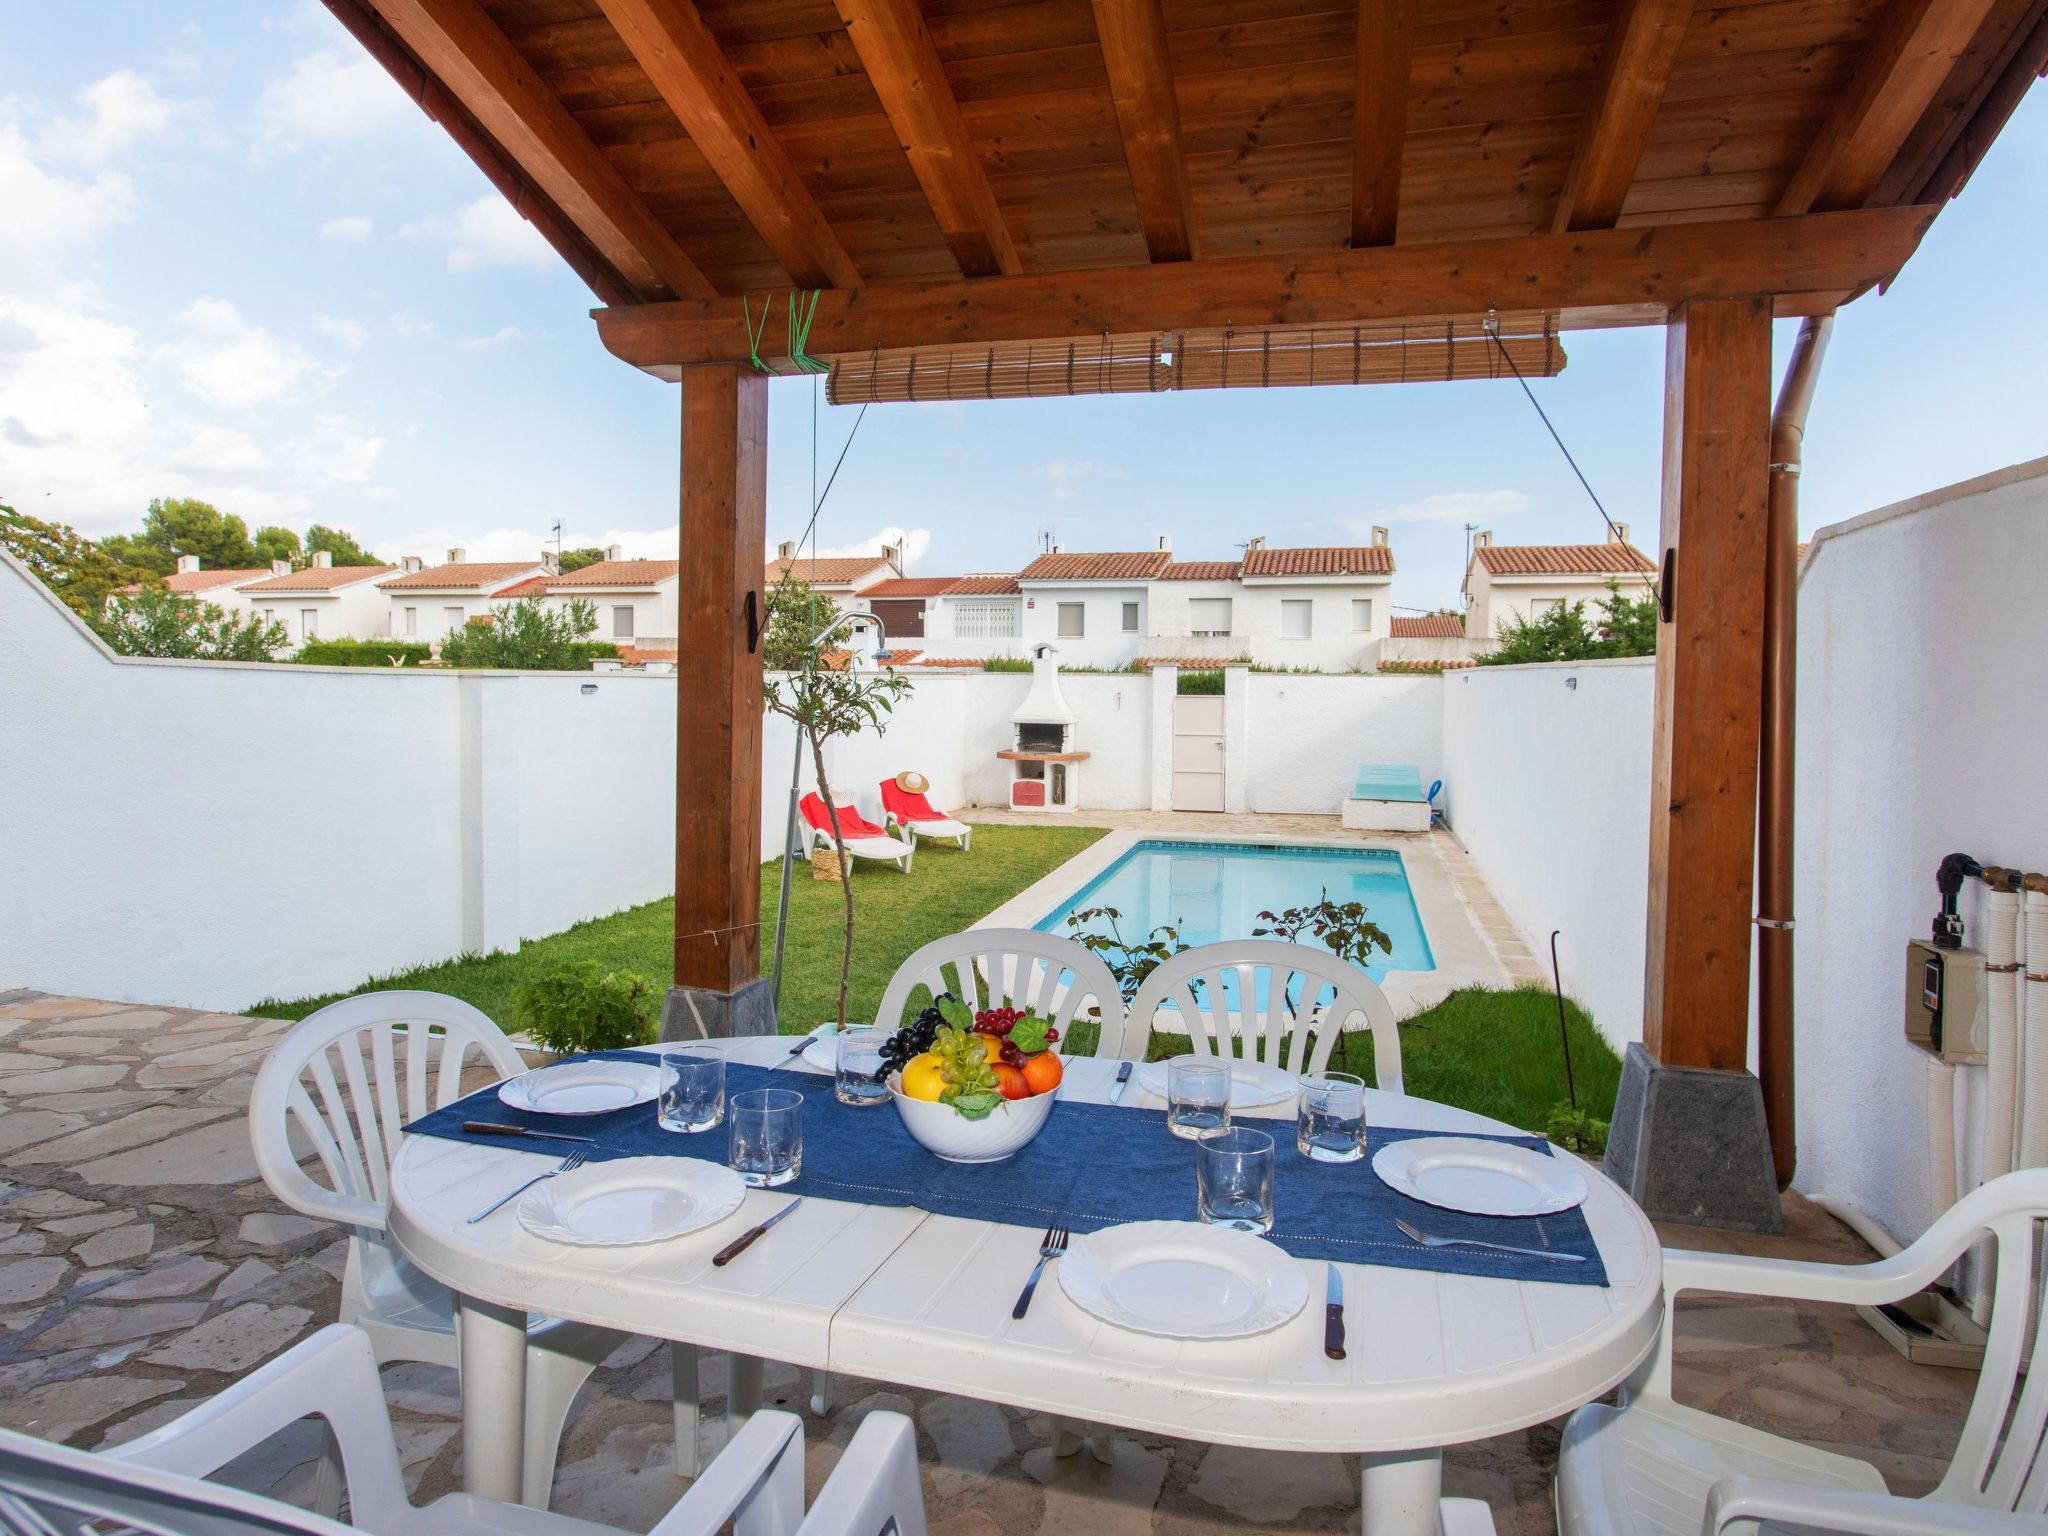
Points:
144	1266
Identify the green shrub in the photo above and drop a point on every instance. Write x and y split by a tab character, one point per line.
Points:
362	653
1576	1130
581	1006
1006	664
1207	681
584	652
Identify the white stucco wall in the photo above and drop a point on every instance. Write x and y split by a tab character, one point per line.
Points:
1922	642
1332	644
654	611
1306	736
1106	642
1548	787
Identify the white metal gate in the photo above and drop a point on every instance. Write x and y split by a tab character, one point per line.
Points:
1198	752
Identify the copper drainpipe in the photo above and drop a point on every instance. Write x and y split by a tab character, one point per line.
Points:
1774	780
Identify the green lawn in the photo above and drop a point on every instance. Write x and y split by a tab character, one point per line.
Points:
1495	1052
893	915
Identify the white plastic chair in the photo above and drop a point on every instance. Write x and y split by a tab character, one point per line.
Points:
1330	994
346	1080
1010	968
1651	1467
155	1485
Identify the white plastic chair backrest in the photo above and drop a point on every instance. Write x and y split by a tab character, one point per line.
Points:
1011	968
348	1078
45	1487
1283	1004
874	1487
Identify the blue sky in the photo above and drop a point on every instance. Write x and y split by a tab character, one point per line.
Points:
237	263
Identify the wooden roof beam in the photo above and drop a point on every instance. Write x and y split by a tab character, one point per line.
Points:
903	66
1901	68
685	64
1133	37
461	46
1600	277
1635	65
1379	121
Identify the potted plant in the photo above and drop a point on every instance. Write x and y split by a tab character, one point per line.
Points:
580	1006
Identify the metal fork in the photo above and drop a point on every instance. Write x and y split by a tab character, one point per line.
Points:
1055	1244
1428	1241
575	1159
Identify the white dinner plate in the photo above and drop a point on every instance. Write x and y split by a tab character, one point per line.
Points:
1253	1084
1486	1178
582	1087
632	1200
1182	1280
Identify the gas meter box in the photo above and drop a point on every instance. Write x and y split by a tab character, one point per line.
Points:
1945	1002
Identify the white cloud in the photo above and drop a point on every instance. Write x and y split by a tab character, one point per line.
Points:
338	454
72	411
497	338
218	451
915	541
353	228
49	218
329	96
486	233
1454	507
1069	476
120	111
350	333
227	361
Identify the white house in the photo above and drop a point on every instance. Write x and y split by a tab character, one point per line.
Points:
220	588
635	600
841	577
980	615
1506	581
1325	607
1416	641
1094	607
427	601
324	601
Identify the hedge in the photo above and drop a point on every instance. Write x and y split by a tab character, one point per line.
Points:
361	653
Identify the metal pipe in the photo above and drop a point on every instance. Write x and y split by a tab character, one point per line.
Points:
796	771
1775	747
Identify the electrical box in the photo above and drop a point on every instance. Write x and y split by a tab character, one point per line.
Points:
1945	1001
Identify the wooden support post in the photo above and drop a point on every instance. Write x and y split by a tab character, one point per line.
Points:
724	509
1689	1140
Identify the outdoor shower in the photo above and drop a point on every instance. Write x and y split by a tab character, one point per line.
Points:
796	770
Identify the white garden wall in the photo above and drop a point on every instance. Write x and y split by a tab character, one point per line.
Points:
1547	782
1307	735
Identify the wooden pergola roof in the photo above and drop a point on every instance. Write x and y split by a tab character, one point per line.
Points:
985	170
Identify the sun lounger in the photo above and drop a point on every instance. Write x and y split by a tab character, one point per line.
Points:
863	839
914	813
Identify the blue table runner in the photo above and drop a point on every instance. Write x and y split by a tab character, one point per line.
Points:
1092	1166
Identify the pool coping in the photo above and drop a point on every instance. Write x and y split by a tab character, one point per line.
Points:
1463	956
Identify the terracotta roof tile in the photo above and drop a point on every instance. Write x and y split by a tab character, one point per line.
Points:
910	586
1431	626
1562	559
1799	554
206	581
1202	570
637	655
837	571
321	578
533	586
616	573
1140	565
1425	666
472	576
984	586
1353	560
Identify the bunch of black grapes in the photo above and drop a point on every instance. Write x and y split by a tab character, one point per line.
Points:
913	1039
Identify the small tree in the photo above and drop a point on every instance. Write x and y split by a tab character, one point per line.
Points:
526	636
153	622
1129	961
82	574
823	696
1627	627
577	559
338	544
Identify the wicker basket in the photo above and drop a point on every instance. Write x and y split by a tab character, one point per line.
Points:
824	863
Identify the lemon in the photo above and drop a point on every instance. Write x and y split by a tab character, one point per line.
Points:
924	1077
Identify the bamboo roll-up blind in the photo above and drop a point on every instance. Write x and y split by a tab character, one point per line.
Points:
1015	370
1258	358
1364	354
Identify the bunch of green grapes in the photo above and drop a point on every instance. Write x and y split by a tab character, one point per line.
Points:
966	1063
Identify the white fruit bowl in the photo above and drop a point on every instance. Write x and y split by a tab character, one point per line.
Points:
944	1132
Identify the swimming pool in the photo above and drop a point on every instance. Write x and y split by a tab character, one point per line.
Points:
1213	891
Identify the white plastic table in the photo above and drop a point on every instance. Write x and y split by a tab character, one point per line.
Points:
900	1296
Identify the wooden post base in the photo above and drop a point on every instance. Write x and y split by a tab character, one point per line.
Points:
1689	1144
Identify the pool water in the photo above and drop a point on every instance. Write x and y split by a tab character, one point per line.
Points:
1213	891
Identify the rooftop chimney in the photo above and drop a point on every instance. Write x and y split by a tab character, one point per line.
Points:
1257	541
1481	540
785	550
614	552
1618	534
280	567
1379	536
322	560
1166	543
187	564
550	562
415	563
457	556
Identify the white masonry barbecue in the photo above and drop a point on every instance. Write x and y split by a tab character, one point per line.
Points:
1044	767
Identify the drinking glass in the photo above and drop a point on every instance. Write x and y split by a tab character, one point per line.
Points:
767	1136
692	1091
1329	1121
855	1079
1234	1179
1197	1095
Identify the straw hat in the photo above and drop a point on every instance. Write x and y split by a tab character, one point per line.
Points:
911	782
